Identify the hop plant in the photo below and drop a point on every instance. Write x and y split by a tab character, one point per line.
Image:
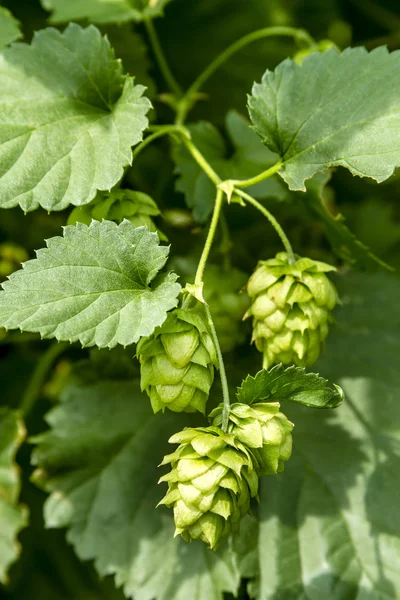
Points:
291	309
177	363
264	429
210	485
117	205
227	304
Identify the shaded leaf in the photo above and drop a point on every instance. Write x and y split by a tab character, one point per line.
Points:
328	526
13	517
344	242
69	119
106	443
334	110
247	159
9	28
98	284
103	11
292	384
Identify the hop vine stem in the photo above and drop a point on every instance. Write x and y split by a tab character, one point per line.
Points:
222	372
161	60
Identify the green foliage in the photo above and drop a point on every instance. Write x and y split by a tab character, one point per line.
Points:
61	294
12	516
327	528
296	503
9	28
104	11
92	463
248	158
290	384
69	121
315	129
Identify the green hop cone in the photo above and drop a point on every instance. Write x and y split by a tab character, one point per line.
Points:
264	429
177	363
117	205
227	304
291	309
210	485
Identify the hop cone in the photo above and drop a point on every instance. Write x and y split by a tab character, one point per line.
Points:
210	484
262	428
227	304
177	363
117	205
291	309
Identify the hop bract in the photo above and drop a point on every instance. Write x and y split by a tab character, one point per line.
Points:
291	309
210	485
177	363
264	429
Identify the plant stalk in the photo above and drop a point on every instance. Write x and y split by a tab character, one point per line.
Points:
222	372
279	230
210	238
35	385
161	60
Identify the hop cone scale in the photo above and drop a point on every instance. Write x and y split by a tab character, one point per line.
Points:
291	309
264	429
177	363
210	485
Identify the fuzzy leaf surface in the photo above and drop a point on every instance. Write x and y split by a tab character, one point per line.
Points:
292	384
104	11
9	28
13	517
69	118
248	159
105	442
329	526
97	284
332	110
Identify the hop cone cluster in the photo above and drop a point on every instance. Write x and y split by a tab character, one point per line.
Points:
264	429
291	309
117	205
227	304
210	485
177	363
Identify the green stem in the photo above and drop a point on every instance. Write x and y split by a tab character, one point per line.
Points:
161	131
272	220
297	34
201	161
226	242
35	385
161	60
258	178
222	372
210	238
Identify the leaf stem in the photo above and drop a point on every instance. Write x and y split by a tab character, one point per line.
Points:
34	387
201	161
160	131
210	238
258	178
300	35
222	372
272	220
161	60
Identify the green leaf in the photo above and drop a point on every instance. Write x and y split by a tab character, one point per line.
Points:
332	110
329	526
104	11
292	384
248	159
344	242
99	461
13	517
92	285
9	28
69	119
